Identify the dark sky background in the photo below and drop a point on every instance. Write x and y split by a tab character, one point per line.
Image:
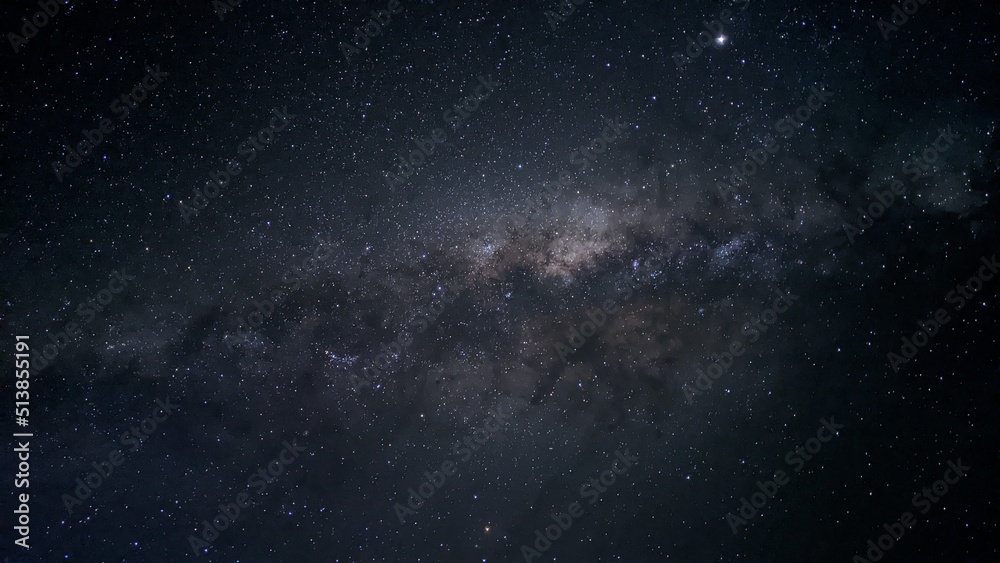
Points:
520	289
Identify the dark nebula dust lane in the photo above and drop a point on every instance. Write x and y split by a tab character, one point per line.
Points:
421	280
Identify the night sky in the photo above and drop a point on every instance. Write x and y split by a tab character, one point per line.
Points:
491	281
